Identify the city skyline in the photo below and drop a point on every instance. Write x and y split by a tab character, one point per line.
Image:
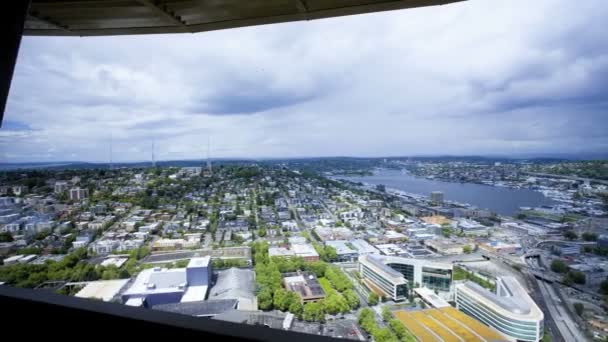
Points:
525	84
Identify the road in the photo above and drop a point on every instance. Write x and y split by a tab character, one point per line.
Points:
561	318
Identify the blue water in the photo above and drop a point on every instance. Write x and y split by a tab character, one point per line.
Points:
500	200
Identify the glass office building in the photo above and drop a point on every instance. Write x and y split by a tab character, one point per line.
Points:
416	273
379	276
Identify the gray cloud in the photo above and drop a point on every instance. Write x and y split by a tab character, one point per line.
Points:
477	77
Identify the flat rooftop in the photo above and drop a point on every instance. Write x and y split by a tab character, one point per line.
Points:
430	297
448	325
304	284
103	289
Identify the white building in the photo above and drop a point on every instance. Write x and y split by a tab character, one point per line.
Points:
61	186
510	310
78	194
417	273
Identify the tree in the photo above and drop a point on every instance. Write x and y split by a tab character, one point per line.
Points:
604	287
330	253
317	267
281	299
559	266
587	236
446	231
579	308
467	249
265	299
521	216
351	298
6	237
338	279
387	315
576	277
384	335
296	308
570	235
373	299
314	312
335	303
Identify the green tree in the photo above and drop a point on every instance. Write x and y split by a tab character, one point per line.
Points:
467	249
317	267
587	236
576	277
604	287
559	266
570	235
373	299
281	299
351	298
296	308
338	279
6	237
314	312
265	299
330	253
579	308
387	315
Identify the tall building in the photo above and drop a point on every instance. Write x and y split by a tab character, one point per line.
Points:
437	197
78	194
61	186
510	310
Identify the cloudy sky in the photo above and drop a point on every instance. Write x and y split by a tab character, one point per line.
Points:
497	77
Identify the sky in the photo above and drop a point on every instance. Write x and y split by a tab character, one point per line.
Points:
501	77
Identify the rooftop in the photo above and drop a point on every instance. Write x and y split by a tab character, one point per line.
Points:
305	284
103	289
447	324
430	297
510	297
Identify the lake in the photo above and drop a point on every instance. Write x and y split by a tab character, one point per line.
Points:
504	201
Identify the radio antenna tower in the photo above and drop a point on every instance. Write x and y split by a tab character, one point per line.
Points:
111	165
153	160
208	155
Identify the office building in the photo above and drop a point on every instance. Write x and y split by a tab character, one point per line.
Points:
509	310
381	279
437	197
78	194
416	272
423	273
344	250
